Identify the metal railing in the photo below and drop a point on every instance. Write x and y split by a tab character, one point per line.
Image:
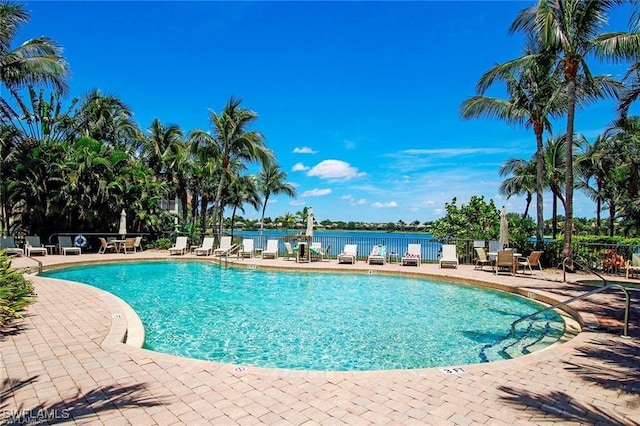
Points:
606	286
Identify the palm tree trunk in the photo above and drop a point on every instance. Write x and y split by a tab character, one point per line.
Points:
571	69
539	189
526	208
554	219
217	228
612	218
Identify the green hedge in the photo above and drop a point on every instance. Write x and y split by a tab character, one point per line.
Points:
16	292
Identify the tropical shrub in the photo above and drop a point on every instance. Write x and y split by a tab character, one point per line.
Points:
16	292
160	244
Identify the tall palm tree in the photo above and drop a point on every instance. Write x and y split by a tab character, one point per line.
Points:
595	163
574	30
162	142
34	62
535	95
522	181
271	181
235	142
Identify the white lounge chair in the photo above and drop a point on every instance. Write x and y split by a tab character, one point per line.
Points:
271	252
33	246
349	254
246	249
206	248
633	266
225	246
378	255
180	246
66	245
449	256
8	244
413	256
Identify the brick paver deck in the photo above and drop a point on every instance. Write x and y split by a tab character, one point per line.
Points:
65	363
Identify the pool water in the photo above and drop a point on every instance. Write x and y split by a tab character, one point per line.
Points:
318	321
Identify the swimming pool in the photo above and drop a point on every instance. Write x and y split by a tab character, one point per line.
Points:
317	321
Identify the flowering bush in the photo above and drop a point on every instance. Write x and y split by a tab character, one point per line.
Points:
610	259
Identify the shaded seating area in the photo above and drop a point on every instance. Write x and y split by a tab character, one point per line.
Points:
8	244
271	251
66	245
413	255
378	255
33	246
206	248
349	254
532	260
180	247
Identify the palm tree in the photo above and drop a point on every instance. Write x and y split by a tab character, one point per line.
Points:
242	190
271	181
572	29
535	95
595	162
523	181
34	62
160	144
235	142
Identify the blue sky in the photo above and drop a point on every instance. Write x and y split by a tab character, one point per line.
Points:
359	100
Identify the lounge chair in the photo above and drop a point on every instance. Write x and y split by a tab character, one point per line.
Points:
271	252
532	260
505	260
633	266
349	254
8	244
290	253
226	247
449	256
33	246
317	252
206	248
105	246
246	249
66	245
180	246
378	255
413	256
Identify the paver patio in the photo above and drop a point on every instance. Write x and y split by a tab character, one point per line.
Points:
65	363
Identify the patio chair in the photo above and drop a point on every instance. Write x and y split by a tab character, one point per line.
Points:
449	256
378	255
349	254
206	248
180	246
290	253
33	246
138	243
413	255
271	252
66	245
105	246
481	258
633	266
246	249
129	245
317	252
8	244
532	260
505	260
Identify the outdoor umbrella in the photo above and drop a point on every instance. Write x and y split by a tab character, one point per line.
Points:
504	228
309	232
123	224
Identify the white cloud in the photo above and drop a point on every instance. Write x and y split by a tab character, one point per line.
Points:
335	169
316	192
303	150
296	203
352	201
299	167
379	205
